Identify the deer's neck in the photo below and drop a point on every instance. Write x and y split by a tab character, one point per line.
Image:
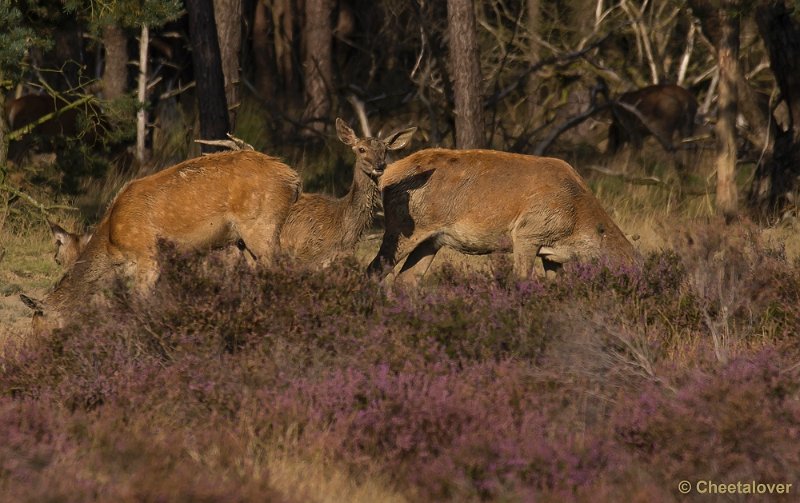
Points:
359	206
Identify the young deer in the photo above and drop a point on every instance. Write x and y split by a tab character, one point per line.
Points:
483	201
320	227
198	204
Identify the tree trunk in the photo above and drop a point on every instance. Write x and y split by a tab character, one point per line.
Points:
228	16
775	180
728	61
265	70
317	64
115	71
3	140
207	72
283	21
466	73
534	54
141	95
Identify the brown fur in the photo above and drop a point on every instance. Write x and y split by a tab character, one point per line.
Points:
669	110
483	201
199	204
320	227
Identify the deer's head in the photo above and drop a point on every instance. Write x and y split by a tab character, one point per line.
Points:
371	152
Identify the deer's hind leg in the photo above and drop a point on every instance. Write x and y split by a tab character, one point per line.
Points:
418	262
261	239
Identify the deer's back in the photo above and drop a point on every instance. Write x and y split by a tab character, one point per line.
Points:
480	195
665	104
447	184
196	201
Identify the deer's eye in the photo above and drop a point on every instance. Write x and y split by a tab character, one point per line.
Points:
361	150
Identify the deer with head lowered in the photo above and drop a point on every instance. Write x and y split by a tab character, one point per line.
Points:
319	227
664	111
199	204
483	201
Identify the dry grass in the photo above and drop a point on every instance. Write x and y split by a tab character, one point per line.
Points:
318	481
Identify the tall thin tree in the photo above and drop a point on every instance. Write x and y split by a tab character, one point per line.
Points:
228	17
208	75
317	63
728	62
775	183
466	73
115	70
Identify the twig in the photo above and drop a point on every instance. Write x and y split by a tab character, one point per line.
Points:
635	180
33	202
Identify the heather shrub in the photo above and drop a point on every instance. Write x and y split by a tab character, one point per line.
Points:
605	384
738	421
449	431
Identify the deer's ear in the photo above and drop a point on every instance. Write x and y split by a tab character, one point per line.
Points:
346	135
400	139
59	233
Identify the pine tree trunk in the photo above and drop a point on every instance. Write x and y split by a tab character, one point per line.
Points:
534	53
317	65
776	178
228	16
263	52
466	73
728	61
208	75
115	71
3	141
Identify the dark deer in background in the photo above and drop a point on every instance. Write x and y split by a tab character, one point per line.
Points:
664	111
63	122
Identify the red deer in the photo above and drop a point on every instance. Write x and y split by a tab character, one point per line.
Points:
65	122
663	111
198	204
319	227
483	201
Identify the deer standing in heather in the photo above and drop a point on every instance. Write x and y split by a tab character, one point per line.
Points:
483	201
199	204
320	227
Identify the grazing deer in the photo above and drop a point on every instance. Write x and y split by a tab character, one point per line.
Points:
68	244
198	204
663	111
320	227
483	201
